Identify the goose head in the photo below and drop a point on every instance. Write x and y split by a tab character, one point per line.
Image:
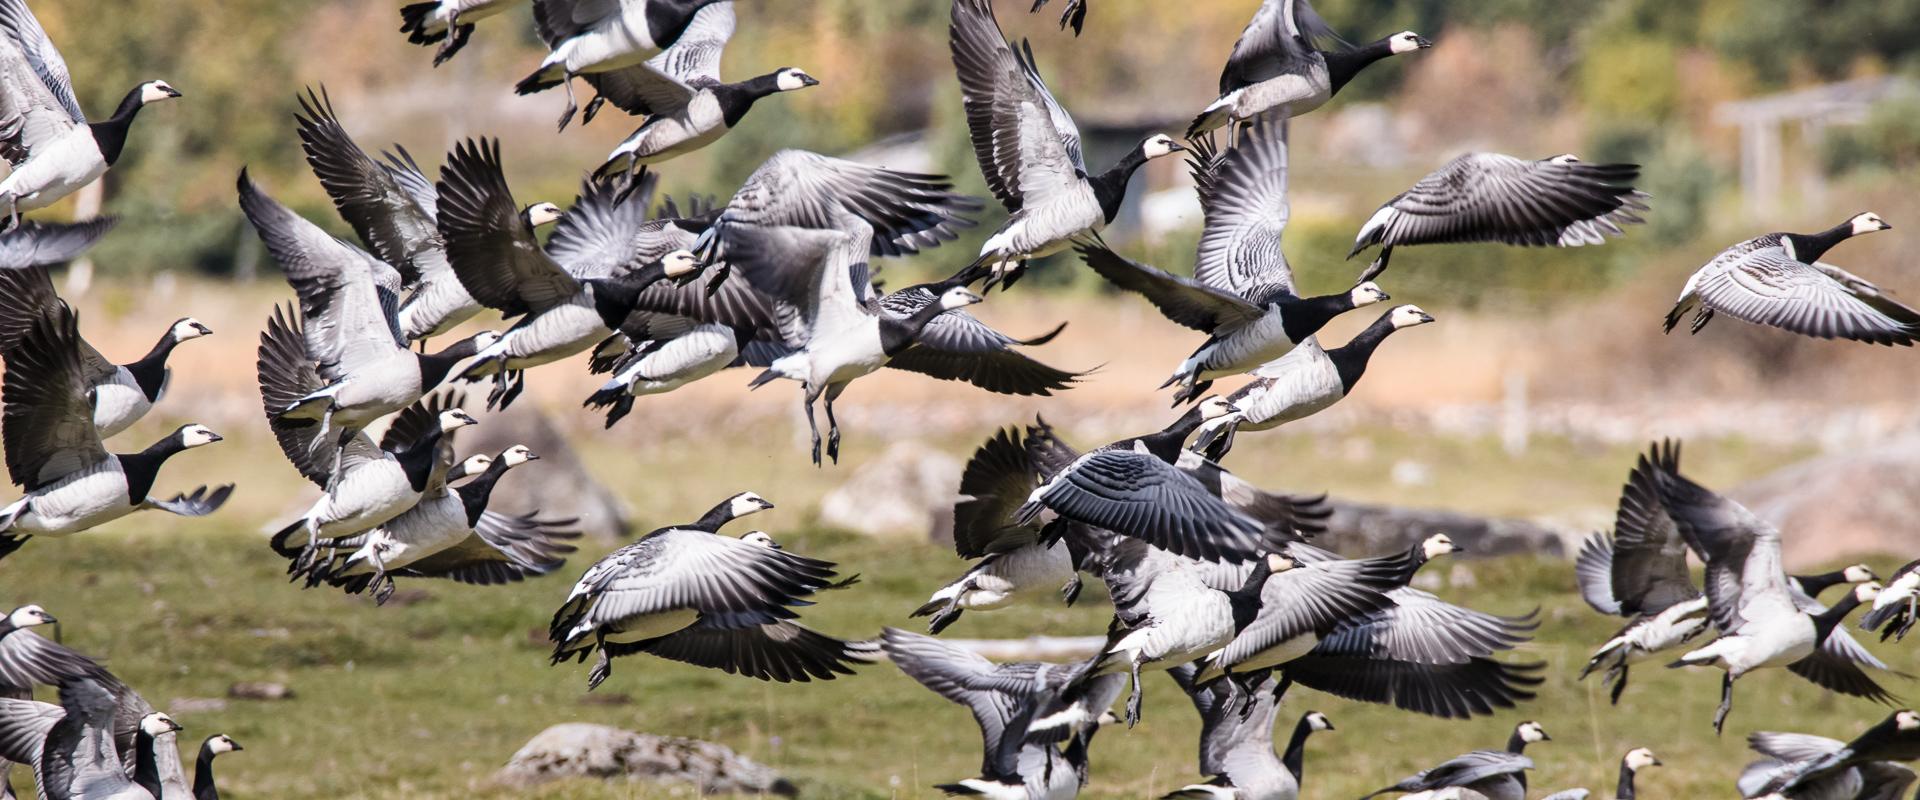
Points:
194	435
1439	545
1216	407
1531	732
1906	720
28	616
158	724
1859	573
518	454
540	214
156	91
760	538
791	79
1408	316
1280	562
1407	42
958	297
680	264
1159	145
1867	222
221	743
746	503
473	465
1867	592
454	419
188	328
1318	721
1640	758
1367	293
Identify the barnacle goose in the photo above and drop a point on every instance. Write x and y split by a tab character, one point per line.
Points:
44	135
41	244
79	750
448	22
53	450
1029	149
607	42
1296	609
1242	292
122	393
1779	280
1488	197
1497	774
685	594
1276	66
1803	766
1637	759
1236	742
1895	608
215	745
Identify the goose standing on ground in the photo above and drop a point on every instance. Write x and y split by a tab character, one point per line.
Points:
1498	774
1637	759
1779	280
215	745
1276	66
53	450
1487	197
1640	572
1029	149
448	22
1242	292
685	594
607	42
72	746
1873	755
1894	610
44	135
122	393
1761	623
40	244
1305	381
686	104
500	262
1236	742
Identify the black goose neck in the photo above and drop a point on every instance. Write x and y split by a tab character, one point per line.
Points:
1166	442
1826	621
418	459
1517	743
1809	247
897	334
110	134
434	367
715	517
1350	359
1813	585
1110	187
146	770
150	372
1624	790
203	788
476	493
1306	316
1295	757
141	468
1245	600
614	300
1343	65
736	99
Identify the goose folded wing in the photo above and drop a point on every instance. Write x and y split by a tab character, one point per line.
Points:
48	420
1027	145
1493	197
955	673
385	216
24	725
503	549
1278	38
1138	495
1246	207
1186	301
489	245
906	212
1308	599
1288	518
685	569
996	481
40	244
1423	629
1479	687
1745	580
1765	287
666	82
559	20
40	90
1649	556
783	652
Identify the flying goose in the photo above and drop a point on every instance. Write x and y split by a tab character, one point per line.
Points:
1236	742
75	748
1640	572
607	42
1242	294
1298	606
53	450
1488	197
122	393
448	22
1779	280
686	104
1304	382
1004	699
41	244
494	253
217	744
1275	65
1895	608
685	594
393	208
44	135
1812	762
1497	774
1761	622
1029	148
668	352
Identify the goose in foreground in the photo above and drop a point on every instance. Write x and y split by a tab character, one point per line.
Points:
44	135
122	393
1305	381
1497	774
1895	608
1487	197
1236	742
42	244
1640	572
1762	624
1242	292
500	262
1004	699
1779	280
73	747
685	594
215	745
1298	607
54	452
1276	66
607	42
448	22
1637	759
1029	149
1807	766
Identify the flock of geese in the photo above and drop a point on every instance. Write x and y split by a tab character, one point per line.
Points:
1212	579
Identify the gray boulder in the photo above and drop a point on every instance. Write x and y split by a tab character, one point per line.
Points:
584	750
908	492
1842	506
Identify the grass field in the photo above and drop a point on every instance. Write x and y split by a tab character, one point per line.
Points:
427	700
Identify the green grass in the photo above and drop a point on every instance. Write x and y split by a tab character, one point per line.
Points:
427	700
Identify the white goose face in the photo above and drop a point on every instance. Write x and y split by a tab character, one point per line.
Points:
1859	573
746	503
518	454
28	616
1906	720
1368	293
1407	42
1640	758
485	339
222	743
189	328
760	538
454	419
1438	545
680	263
1866	592
958	297
1159	145
1531	732
1564	158
476	464
1216	407
1409	316
156	91
157	724
540	214
1318	721
793	80
196	435
1277	563
1868	223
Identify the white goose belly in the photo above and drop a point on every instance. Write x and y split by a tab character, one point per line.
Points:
1280	653
620	41
76	502
700	124
1245	349
850	354
649	626
426	529
703	352
1188	620
380	389
366	496
1004	577
557	333
1043	230
119	402
55	170
1299	93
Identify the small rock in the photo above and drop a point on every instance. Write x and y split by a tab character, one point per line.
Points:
606	699
579	749
197	705
260	690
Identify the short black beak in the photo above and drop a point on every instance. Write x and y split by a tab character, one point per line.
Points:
48	618
1425	317
1423	41
236	746
204	330
1459	549
809	80
171	92
214	437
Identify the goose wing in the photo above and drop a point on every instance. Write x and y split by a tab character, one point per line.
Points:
1881	744
1593	571
28	659
27	296
1480	687
905	212
1470	768
602	234
1489	197
1281	34
80	747
48	418
996	481
1243	194
348	299
24	725
1027	145
1309	599
559	20
1765	286
1139	495
489	243
1648	570
387	217
735	303
40	244
38	104
677	569
1839	671
1417	627
286	376
668	81
1791	747
960	676
1187	301
503	549
1745	579
782	652
956	346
